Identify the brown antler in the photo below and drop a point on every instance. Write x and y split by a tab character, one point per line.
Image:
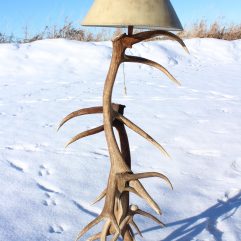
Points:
110	220
135	59
85	111
139	37
101	196
89	226
85	134
129	219
139	131
117	213
130	177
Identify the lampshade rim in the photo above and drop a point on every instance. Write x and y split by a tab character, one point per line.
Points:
169	28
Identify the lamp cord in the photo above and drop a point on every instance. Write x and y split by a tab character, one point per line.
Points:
124	76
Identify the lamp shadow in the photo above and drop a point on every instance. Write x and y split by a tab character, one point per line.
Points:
207	220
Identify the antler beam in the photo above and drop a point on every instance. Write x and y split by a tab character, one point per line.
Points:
117	213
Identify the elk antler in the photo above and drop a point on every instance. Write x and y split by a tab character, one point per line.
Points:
102	195
117	213
105	230
132	222
94	237
148	215
89	226
139	131
145	195
85	134
110	220
139	37
133	179
133	210
137	188
130	177
135	59
85	111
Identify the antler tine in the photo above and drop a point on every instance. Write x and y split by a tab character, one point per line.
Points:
148	215
89	226
115	224
85	111
105	230
130	177
135	59
151	34
85	134
94	237
139	131
102	195
131	189
131	232
122	225
136	227
136	184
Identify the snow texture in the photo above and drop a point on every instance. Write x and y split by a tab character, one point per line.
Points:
46	191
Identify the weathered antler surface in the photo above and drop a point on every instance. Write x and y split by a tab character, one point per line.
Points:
135	59
142	133
117	213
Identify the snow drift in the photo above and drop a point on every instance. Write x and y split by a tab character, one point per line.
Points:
46	190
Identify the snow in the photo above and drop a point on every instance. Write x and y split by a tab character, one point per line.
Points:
46	191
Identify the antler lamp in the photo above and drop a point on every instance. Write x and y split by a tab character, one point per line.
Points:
149	14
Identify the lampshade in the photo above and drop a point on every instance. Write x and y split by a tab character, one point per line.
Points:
158	14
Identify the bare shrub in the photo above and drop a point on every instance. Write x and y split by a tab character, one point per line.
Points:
234	32
6	39
68	31
215	30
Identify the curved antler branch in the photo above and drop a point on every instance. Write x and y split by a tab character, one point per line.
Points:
148	215
137	188
122	226
94	237
142	133
102	195
130	177
133	210
85	134
132	190
110	221
132	222
131	232
105	230
135	59
145	195
139	37
85	111
89	226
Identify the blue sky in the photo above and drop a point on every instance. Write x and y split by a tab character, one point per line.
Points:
16	14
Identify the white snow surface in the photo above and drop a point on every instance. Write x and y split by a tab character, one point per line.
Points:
46	190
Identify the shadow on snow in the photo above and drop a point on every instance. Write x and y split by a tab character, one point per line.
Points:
207	220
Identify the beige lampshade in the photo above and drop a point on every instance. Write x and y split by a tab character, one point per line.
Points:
158	14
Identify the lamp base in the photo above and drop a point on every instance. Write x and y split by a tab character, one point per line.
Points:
117	212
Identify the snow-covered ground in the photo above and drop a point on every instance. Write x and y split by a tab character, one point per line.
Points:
46	190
